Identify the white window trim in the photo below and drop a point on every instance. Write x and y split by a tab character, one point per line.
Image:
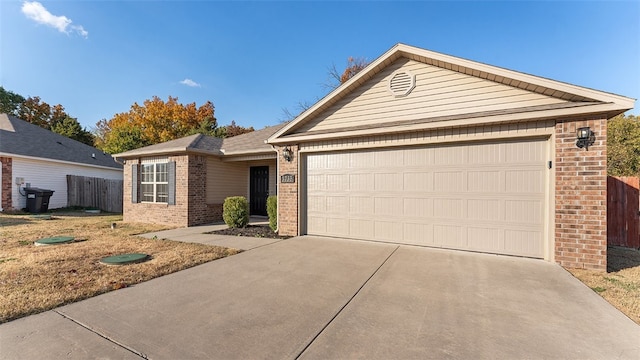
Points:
155	183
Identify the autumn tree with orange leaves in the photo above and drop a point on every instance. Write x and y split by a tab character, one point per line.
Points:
157	121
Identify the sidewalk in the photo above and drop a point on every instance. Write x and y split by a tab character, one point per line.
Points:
198	234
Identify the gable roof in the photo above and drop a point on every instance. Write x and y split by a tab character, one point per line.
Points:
20	138
245	144
576	100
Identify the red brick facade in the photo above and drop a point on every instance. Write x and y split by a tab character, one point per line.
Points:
7	182
581	197
190	208
288	195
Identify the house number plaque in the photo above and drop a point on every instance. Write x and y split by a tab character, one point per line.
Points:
287	179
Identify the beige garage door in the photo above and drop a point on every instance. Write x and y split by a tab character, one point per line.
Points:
488	197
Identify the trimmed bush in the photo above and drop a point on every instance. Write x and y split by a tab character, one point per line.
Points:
235	211
272	211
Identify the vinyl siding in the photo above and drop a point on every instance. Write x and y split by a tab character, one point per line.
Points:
52	176
488	132
226	179
438	92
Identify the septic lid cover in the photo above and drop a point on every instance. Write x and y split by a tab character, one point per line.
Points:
124	259
55	240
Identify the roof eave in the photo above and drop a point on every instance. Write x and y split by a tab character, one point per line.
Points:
609	110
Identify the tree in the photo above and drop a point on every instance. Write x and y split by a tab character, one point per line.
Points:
235	130
153	122
35	111
335	79
9	101
71	128
623	146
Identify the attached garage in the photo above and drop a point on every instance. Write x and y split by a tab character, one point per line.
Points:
427	149
482	196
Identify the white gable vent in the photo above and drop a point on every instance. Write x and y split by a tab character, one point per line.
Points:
401	83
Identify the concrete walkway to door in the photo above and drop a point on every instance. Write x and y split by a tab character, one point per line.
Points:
319	298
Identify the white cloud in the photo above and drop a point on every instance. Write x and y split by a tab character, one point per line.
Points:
189	82
38	13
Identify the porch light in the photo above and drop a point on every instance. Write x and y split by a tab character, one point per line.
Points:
287	154
586	137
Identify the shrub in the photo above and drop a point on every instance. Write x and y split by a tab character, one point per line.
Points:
272	211
235	211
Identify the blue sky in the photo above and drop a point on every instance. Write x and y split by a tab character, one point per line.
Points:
252	59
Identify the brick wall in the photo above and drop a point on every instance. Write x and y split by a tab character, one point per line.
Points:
7	183
190	208
581	197
288	195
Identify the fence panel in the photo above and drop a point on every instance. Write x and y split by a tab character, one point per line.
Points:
103	194
623	211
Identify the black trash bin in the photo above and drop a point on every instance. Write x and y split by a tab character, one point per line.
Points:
38	199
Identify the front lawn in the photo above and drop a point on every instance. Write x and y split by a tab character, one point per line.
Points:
38	278
620	285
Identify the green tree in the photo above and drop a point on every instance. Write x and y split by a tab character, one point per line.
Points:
623	146
123	138
9	102
71	128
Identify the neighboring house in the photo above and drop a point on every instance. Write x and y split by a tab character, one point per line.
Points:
31	155
419	148
185	181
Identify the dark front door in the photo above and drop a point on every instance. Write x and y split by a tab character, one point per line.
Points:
259	190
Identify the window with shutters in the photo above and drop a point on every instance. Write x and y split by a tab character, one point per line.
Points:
154	183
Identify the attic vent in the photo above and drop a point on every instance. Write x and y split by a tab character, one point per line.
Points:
401	83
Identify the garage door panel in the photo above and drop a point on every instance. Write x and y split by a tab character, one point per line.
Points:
487	197
418	181
484	209
419	208
361	229
387	230
485	239
485	181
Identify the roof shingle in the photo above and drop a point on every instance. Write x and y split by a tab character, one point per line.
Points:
18	137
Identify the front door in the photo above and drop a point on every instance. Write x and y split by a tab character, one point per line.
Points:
258	190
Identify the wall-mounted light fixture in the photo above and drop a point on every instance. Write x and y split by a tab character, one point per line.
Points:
287	154
586	138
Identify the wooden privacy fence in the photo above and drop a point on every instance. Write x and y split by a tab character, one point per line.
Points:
103	194
623	211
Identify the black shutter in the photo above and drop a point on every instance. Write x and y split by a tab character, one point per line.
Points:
134	183
171	169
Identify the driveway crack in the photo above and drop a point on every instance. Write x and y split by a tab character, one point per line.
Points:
131	350
346	304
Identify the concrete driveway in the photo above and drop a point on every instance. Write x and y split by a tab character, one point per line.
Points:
319	298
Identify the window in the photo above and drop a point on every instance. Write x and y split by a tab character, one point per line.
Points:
154	184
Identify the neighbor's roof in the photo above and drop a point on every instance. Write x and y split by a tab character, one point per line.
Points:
588	100
20	138
245	144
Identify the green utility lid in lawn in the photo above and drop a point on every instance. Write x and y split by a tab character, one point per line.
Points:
42	217
56	240
124	259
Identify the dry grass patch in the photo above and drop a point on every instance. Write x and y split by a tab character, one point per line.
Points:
620	285
38	278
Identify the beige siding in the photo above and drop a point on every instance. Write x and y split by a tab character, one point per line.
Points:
438	92
475	133
488	197
226	179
